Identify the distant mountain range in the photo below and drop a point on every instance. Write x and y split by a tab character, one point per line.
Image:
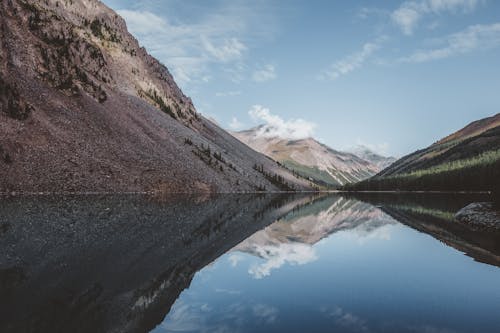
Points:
468	159
316	161
367	154
84	108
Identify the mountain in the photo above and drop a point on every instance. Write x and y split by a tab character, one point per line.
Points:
310	158
84	108
367	154
466	160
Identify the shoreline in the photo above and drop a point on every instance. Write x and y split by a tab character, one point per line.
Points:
43	193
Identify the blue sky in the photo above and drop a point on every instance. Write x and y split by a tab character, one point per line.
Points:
393	75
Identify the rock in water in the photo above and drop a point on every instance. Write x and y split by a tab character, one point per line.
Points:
479	215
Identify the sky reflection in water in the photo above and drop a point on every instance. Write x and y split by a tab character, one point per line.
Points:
340	265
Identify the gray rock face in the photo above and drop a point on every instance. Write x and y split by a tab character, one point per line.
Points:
83	108
479	215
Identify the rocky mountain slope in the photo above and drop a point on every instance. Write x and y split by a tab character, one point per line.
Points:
311	159
468	159
84	108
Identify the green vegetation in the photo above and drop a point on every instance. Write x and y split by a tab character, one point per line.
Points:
261	188
277	180
158	100
212	159
97	28
4	156
478	173
439	214
12	104
486	158
318	176
34	19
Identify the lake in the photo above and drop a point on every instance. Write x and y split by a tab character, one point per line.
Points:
246	263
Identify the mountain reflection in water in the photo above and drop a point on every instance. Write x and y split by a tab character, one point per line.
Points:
245	263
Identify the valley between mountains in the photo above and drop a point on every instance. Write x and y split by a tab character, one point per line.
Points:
84	108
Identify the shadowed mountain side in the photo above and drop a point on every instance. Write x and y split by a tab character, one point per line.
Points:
425	213
114	264
84	108
467	160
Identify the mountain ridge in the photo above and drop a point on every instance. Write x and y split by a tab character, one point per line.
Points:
310	158
84	108
466	160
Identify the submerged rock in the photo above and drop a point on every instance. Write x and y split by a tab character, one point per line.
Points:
480	215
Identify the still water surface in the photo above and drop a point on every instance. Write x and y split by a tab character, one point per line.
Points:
269	263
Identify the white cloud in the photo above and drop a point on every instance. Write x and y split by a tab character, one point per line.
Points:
366	12
351	62
275	126
266	313
474	37
235	124
378	148
408	15
266	73
227	93
227	291
237	72
235	259
278	255
188	314
142	22
346	319
191	48
228	50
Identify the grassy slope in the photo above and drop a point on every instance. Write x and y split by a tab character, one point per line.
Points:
323	178
461	164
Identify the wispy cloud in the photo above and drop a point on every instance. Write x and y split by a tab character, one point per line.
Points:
143	22
266	73
265	313
228	93
366	12
275	126
346	319
278	255
472	38
410	13
227	50
189	314
235	124
190	48
353	61
378	148
235	259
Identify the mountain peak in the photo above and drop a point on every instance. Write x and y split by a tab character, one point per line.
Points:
366	153
84	108
310	158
